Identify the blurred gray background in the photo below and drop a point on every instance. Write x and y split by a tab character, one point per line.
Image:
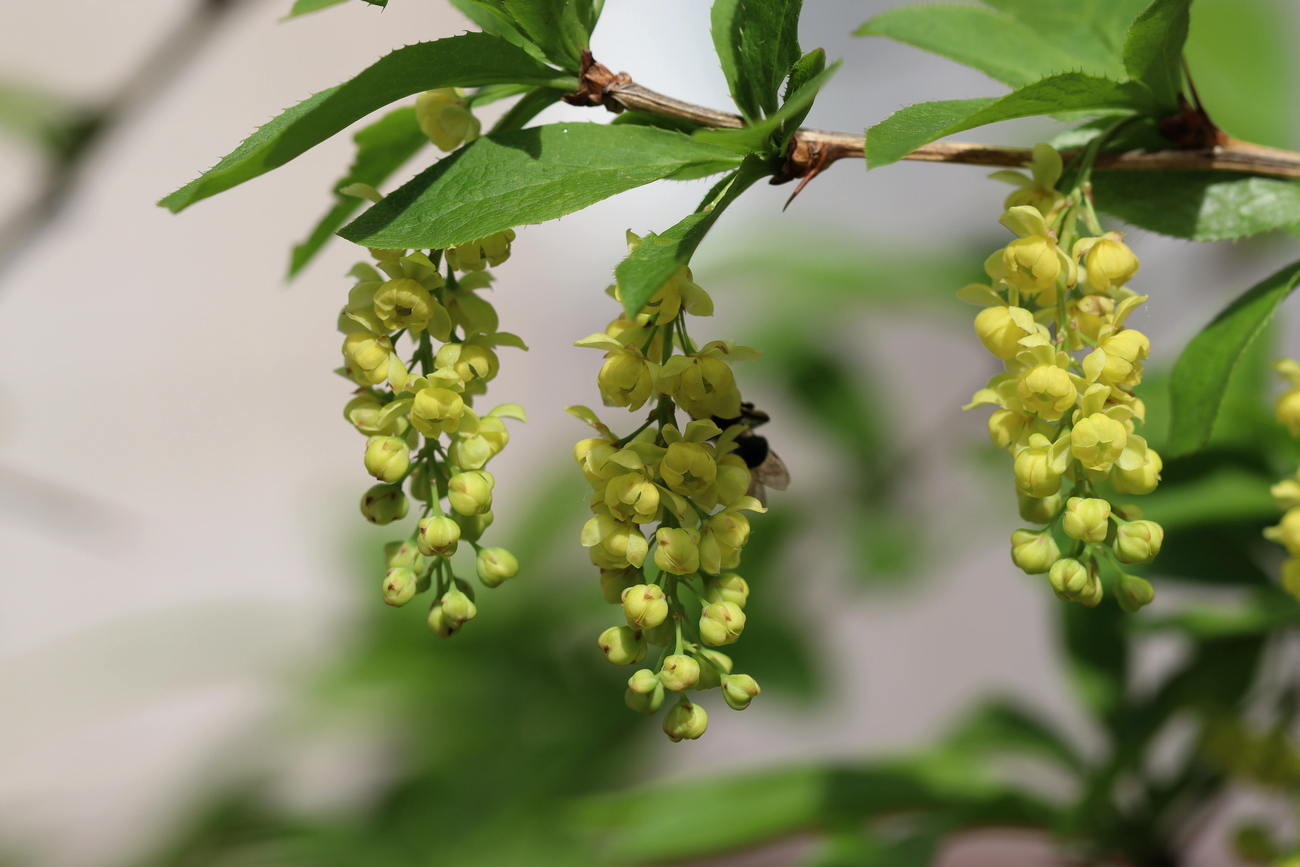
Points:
175	476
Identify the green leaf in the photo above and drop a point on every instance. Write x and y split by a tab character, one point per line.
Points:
805	69
35	115
302	7
1092	29
1221	496
529	176
658	257
382	148
994	43
560	28
757	42
1153	50
1097	656
905	130
1205	366
755	136
468	60
1199	205
1262	613
1001	725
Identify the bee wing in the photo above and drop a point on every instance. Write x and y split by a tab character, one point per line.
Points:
756	490
773	472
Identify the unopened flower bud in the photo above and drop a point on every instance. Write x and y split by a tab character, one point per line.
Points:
1287	410
457	606
470	493
728	587
686	721
1287	531
403	554
738	690
645	702
1068	577
1034	552
472	527
1098	441
1000	329
441	624
679	672
1086	519
645	606
400	585
383	504
1035	473
1038	510
621	645
721	623
677	551
443	117
643	681
1138	541
1109	262
496	565
439	535
1286	493
713	665
1134	592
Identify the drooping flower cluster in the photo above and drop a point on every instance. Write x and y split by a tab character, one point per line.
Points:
1055	314
1286	493
415	406
669	505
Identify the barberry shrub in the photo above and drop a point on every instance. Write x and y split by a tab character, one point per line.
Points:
671	489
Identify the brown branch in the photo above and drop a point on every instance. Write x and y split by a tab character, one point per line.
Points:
819	148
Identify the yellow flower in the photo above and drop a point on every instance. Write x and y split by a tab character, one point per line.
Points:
443	117
1138	541
439	535
367	356
632	497
1039	189
1287	410
625	379
1137	470
688	468
1086	519
1074	582
613	542
1287	531
1039	465
436	410
721	623
1047	390
1123	354
1001	329
1091	314
1107	261
1034	552
645	606
702	383
471	361
470	492
1097	441
405	303
478	254
1033	263
387	458
677	551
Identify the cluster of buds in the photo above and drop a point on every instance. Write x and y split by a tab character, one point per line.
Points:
417	414
1054	314
669	502
1286	493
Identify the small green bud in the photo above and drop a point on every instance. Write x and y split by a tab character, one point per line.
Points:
679	672
1034	552
472	527
646	703
686	720
614	581
1086	519
387	458
1070	578
1134	592
728	587
643	681
441	624
1138	541
439	536
738	690
644	606
496	565
470	493
713	665
383	504
621	645
457	606
400	585
721	623
403	553
1038	510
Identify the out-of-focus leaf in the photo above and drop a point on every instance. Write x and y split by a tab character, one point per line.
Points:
382	148
1097	656
1203	370
907	129
1225	496
35	115
996	44
1212	554
1153	50
302	7
707	816
1241	47
757	41
1094	29
1263	613
505	180
468	60
1199	205
1001	725
915	845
